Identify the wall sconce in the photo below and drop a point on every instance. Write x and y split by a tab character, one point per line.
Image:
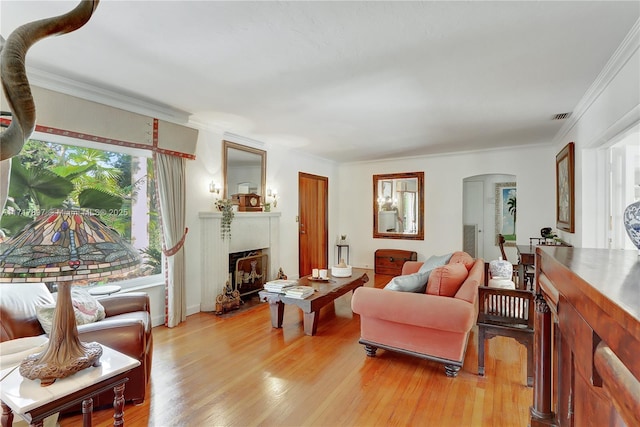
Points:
274	195
214	188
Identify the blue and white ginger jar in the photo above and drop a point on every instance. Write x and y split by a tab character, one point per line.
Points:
501	268
631	219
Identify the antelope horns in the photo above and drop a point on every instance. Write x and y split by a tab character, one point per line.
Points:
14	75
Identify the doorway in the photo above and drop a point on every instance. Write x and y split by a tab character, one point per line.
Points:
622	186
313	229
473	218
479	219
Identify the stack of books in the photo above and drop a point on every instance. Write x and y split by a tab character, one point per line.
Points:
279	286
300	292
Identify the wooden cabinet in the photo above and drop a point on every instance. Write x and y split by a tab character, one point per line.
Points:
390	261
587	338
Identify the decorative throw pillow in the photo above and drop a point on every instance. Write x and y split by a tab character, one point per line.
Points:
86	308
462	257
415	282
86	304
435	261
446	280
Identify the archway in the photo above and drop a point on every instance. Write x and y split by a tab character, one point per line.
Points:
481	220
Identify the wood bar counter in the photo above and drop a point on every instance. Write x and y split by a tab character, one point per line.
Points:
587	338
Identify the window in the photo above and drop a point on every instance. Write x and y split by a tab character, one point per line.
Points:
623	185
115	185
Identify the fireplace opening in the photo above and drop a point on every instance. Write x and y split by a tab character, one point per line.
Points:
248	271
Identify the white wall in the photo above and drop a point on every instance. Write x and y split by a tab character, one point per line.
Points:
607	112
351	199
609	109
283	166
534	168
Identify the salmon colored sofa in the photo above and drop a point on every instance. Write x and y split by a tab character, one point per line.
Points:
429	325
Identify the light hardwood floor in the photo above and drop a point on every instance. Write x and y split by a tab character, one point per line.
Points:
239	371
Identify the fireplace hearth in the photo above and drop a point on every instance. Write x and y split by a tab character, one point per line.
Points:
250	231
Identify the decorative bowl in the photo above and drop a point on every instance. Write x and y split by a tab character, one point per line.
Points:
341	271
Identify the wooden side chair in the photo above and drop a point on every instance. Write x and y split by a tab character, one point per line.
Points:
529	273
508	313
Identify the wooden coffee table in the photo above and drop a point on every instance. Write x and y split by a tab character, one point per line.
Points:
325	292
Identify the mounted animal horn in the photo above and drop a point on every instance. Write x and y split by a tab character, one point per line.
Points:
14	75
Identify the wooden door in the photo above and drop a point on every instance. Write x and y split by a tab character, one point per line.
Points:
313	229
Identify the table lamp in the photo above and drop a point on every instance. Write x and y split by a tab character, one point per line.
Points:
59	247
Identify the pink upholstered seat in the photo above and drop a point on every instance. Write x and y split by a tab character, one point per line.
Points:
430	326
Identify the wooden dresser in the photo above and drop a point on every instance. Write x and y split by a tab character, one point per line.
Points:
390	261
587	338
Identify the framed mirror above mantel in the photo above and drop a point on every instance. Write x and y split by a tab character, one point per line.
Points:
398	206
244	169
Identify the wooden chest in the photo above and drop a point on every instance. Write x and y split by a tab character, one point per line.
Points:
390	261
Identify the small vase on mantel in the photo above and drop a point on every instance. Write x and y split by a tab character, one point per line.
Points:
631	219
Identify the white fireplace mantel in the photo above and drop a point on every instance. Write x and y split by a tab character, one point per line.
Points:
249	231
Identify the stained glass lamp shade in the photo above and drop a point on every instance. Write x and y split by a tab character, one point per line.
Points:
59	247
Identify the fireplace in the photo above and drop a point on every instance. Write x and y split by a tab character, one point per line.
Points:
248	271
250	232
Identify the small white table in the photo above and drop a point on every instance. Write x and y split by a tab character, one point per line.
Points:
35	403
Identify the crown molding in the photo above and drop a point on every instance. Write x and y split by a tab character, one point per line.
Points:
618	60
245	140
47	80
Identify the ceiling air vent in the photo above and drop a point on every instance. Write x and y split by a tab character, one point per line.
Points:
561	116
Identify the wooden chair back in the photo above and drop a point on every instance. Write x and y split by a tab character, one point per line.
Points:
501	244
506	307
508	313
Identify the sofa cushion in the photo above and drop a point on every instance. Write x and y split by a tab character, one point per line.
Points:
462	257
18	309
435	261
86	308
415	282
12	352
447	279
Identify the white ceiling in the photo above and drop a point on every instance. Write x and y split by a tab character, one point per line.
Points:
345	81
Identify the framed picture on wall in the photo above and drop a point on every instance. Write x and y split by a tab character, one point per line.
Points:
565	189
506	212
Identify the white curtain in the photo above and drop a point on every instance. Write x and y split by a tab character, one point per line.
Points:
170	178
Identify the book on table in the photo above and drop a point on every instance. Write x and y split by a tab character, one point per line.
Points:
300	292
279	285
